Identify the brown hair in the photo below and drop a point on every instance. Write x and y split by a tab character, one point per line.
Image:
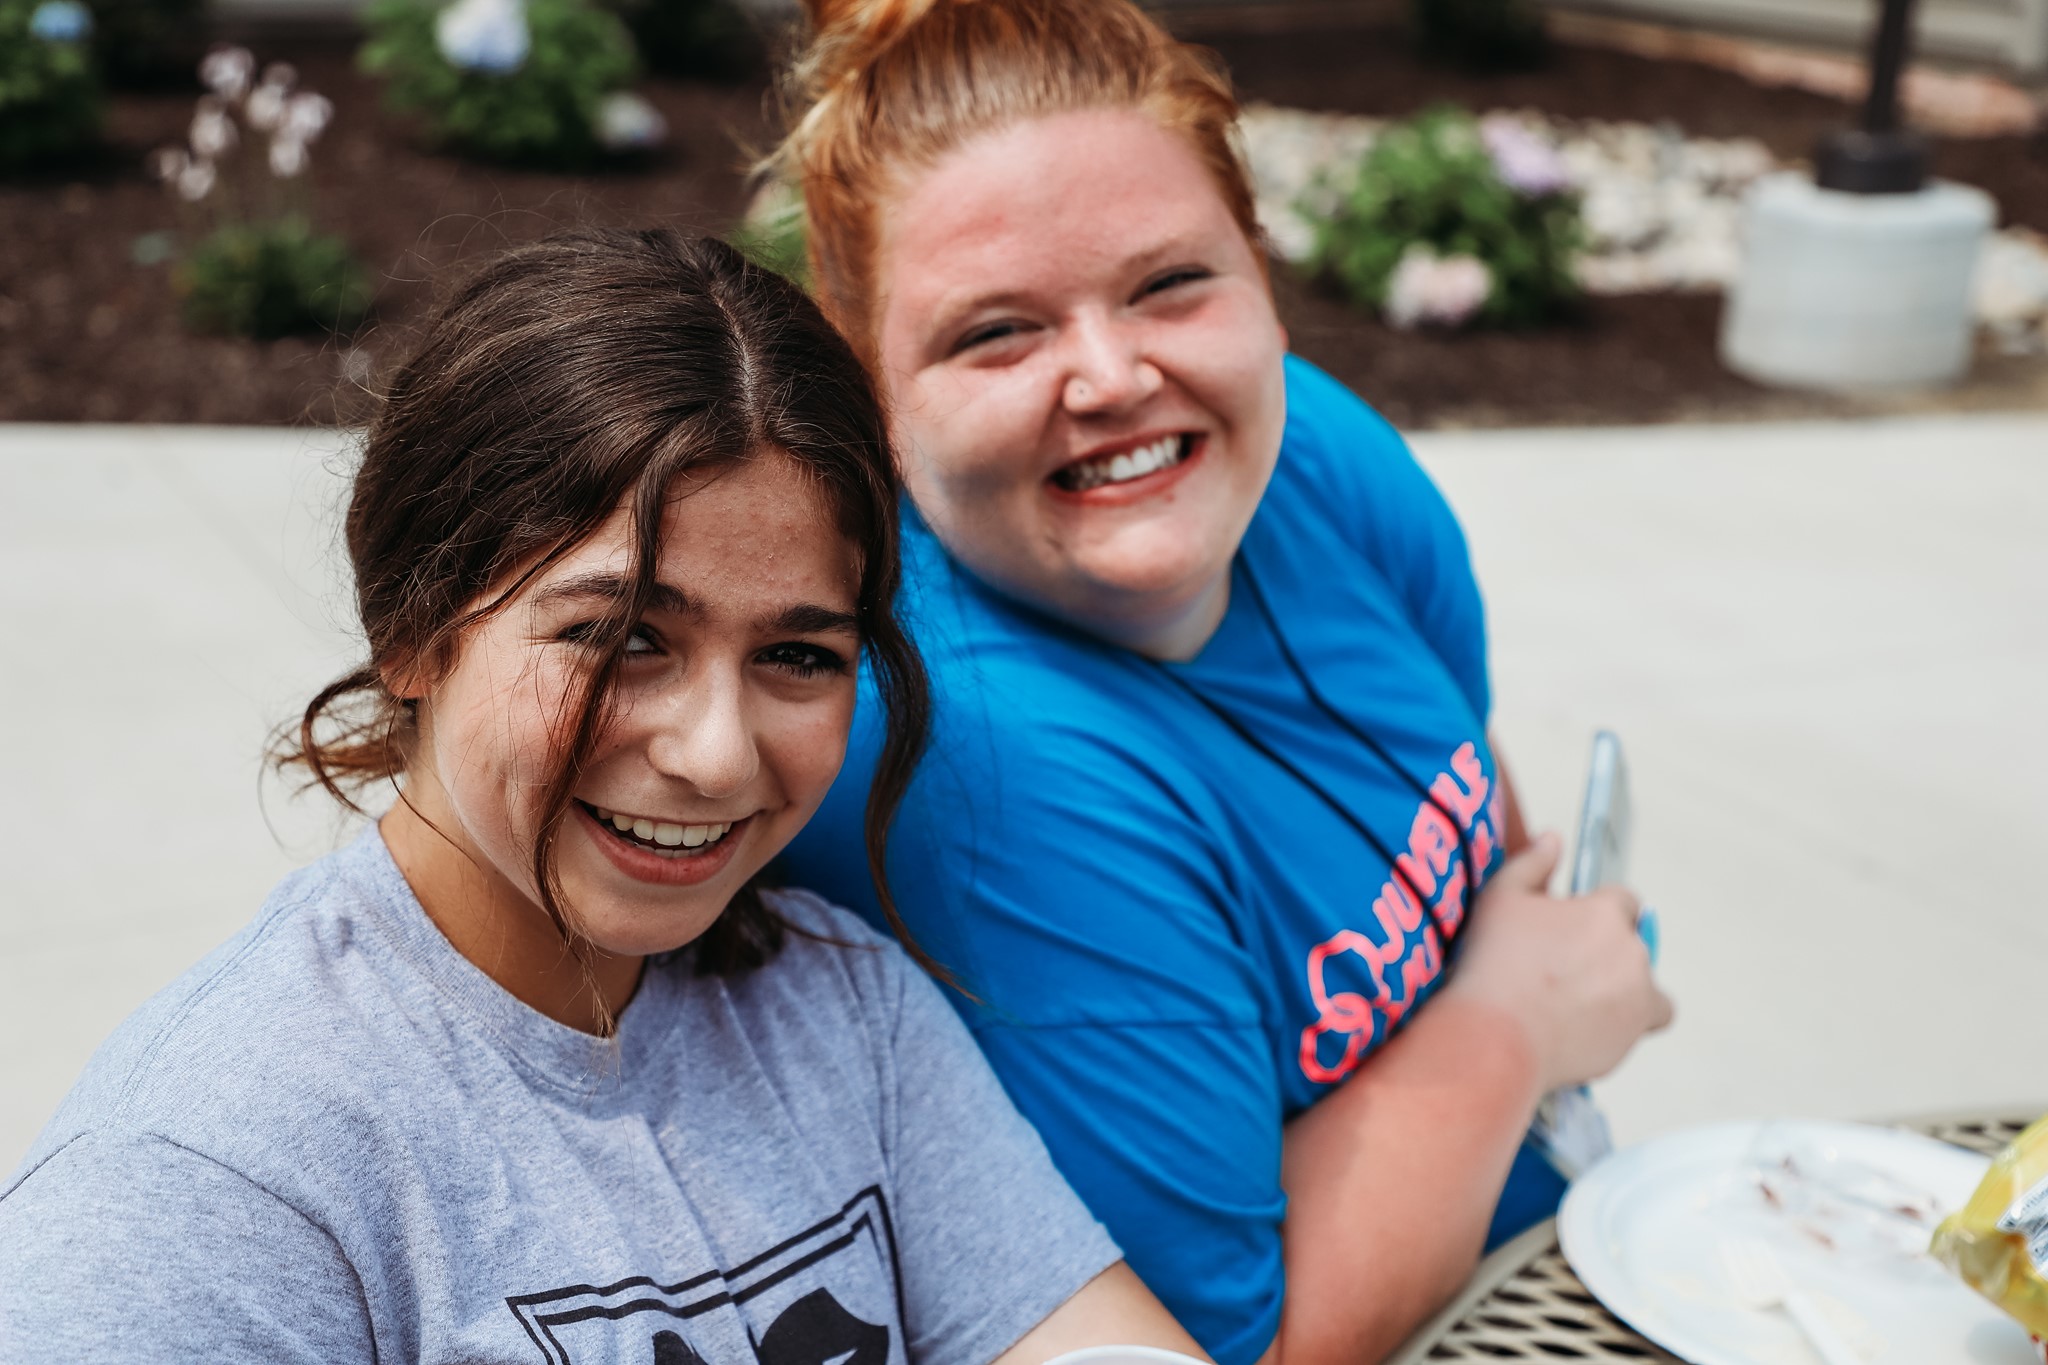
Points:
566	379
894	84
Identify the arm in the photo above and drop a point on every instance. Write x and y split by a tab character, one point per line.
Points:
1549	992
1423	1137
1113	1309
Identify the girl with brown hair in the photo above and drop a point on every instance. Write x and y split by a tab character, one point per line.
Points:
539	1068
1212	801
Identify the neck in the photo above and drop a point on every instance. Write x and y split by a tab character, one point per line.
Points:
1171	637
496	925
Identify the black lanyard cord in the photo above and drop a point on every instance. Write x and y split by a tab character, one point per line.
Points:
1258	745
1357	732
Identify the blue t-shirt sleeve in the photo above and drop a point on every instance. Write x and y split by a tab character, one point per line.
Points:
1394	513
1088	910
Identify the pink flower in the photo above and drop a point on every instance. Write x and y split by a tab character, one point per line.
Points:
1426	288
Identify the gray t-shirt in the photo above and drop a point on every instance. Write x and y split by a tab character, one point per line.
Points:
336	1140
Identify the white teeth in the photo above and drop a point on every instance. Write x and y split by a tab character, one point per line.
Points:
1123	466
665	833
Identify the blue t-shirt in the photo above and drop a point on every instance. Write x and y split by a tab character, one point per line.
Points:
1177	942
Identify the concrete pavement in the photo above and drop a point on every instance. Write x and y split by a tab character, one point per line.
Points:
1824	645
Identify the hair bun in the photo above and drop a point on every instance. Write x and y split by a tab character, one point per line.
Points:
869	24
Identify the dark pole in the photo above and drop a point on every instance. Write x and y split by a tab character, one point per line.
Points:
1883	156
1887	60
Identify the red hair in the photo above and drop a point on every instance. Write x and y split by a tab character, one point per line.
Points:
889	86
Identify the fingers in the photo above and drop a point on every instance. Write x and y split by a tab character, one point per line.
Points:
1530	869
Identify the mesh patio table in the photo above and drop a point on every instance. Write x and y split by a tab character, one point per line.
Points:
1524	1303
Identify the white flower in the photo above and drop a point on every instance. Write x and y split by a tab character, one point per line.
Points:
213	132
195	181
287	156
1523	158
266	107
306	115
1428	288
626	121
484	35
168	163
227	71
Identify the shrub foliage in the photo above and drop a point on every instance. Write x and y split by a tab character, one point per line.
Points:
545	111
1432	183
49	98
272	279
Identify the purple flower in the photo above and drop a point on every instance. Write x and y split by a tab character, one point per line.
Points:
1524	160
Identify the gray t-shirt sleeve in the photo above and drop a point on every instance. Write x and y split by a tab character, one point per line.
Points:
991	1239
134	1248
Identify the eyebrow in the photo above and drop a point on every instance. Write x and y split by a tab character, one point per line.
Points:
802	618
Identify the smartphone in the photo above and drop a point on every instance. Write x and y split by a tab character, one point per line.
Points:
1601	858
1569	1129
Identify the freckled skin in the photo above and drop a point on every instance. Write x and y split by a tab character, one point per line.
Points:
705	731
1059	286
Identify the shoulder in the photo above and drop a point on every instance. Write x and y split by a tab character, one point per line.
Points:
831	959
1339	458
217	1061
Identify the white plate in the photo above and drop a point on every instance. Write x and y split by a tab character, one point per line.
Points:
1644	1228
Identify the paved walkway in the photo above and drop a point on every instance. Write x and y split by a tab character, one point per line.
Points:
1825	646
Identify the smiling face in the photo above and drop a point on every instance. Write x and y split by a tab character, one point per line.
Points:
729	723
1084	371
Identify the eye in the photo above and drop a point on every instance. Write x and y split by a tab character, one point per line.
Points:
642	641
802	660
1179	275
985	333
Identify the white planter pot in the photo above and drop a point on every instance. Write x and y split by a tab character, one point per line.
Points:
1854	291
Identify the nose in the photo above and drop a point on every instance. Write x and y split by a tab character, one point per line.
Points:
703	737
1107	369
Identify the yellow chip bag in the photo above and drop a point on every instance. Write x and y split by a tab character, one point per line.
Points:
1998	1242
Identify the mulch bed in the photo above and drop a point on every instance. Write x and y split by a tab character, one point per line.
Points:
88	334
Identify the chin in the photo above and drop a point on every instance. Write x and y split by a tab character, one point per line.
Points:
622	931
1157	568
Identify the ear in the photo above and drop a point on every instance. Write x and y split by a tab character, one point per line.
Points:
404	679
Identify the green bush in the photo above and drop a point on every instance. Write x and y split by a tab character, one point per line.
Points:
541	108
1441	187
1482	35
774	234
710	38
49	98
270	280
148	42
